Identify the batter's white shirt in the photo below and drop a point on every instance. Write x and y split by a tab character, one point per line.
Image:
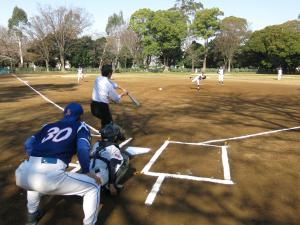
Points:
104	90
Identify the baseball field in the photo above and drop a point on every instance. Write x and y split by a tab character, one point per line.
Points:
225	155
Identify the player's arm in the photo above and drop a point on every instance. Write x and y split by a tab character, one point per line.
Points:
83	151
115	160
28	145
114	96
112	175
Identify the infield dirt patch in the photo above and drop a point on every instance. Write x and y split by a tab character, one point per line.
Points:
265	169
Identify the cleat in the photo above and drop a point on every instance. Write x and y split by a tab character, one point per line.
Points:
33	218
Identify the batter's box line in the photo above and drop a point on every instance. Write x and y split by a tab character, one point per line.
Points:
161	176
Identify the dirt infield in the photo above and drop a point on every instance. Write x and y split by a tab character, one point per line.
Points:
265	169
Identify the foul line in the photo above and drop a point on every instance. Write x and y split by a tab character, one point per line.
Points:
225	162
155	189
48	100
250	135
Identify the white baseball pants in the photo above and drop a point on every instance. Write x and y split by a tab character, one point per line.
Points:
39	178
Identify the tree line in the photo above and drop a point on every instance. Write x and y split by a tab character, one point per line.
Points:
188	35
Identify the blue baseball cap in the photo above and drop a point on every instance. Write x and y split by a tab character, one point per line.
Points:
73	111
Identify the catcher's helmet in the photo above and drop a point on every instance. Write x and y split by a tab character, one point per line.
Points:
112	132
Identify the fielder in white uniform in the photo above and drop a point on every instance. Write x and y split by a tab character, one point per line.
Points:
221	75
50	151
198	79
279	73
79	74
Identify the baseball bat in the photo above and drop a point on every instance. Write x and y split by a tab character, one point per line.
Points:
133	99
136	102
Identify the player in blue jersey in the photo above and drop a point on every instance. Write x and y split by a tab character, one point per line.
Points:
44	173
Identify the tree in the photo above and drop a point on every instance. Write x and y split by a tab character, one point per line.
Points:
274	46
169	29
115	26
140	23
205	26
39	32
8	49
16	25
130	40
81	52
233	33
193	54
65	25
188	8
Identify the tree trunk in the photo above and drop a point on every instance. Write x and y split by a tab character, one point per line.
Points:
205	55
20	52
193	65
101	58
204	63
166	65
229	65
47	65
62	60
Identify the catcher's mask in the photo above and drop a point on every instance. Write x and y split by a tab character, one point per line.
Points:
113	133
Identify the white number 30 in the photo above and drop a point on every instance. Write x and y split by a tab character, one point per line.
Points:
54	133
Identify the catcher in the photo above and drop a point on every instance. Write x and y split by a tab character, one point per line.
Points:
108	162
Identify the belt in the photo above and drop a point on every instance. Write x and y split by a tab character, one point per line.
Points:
48	160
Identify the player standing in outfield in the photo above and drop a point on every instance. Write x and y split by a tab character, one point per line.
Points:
79	74
279	73
50	150
198	79
221	75
103	92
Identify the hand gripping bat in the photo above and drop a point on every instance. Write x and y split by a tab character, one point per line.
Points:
133	99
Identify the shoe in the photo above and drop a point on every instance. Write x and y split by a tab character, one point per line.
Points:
33	218
119	187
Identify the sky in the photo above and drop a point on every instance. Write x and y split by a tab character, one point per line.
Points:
259	13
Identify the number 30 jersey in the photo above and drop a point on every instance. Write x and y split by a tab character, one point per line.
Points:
59	140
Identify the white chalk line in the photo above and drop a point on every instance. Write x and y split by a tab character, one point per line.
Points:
250	135
155	189
225	163
192	143
125	142
48	100
154	157
189	177
161	176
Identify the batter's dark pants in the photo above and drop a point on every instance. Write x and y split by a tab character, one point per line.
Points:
101	111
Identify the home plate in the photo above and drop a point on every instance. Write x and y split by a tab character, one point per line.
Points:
136	150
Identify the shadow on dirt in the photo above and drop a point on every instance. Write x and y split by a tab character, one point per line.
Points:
18	93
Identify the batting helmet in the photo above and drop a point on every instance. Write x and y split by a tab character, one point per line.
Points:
112	132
